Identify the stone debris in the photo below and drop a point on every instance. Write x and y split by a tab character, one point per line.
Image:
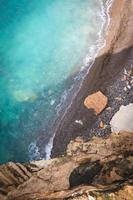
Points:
124	78
101	125
109	108
128	85
79	122
128	78
118	98
97	101
78	197
91	198
131	82
125	89
123	119
125	72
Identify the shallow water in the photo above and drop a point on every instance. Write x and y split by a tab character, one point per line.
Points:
42	46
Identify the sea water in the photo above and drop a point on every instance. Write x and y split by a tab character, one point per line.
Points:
43	45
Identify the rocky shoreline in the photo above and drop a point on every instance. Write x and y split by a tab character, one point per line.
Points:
105	75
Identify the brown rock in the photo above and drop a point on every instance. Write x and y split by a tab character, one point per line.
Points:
98	165
102	125
125	193
96	101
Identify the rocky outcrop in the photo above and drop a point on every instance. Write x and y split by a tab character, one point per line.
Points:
91	170
123	119
96	101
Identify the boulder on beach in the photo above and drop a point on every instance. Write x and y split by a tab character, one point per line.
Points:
96	101
123	119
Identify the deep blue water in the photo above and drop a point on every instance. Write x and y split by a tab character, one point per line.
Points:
42	45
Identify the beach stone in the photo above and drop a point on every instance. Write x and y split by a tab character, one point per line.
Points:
123	119
96	101
102	125
79	122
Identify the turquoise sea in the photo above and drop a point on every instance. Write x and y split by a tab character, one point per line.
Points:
43	44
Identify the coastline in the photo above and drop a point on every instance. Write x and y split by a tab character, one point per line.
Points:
77	77
104	72
95	168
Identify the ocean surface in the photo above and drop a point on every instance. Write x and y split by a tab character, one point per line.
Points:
43	45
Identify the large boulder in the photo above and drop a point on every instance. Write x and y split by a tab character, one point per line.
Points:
123	119
96	101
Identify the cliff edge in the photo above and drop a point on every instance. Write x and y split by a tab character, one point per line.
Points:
99	169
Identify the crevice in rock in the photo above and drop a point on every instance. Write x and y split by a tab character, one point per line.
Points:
84	174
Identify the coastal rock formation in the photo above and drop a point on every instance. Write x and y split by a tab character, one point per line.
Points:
123	119
96	101
91	170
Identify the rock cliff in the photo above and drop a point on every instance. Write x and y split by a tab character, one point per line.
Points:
99	169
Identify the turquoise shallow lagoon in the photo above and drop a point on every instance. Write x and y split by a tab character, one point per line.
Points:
42	45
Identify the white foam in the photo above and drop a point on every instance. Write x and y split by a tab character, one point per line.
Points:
52	102
33	151
48	148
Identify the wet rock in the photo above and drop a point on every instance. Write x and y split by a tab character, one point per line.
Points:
123	119
96	101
